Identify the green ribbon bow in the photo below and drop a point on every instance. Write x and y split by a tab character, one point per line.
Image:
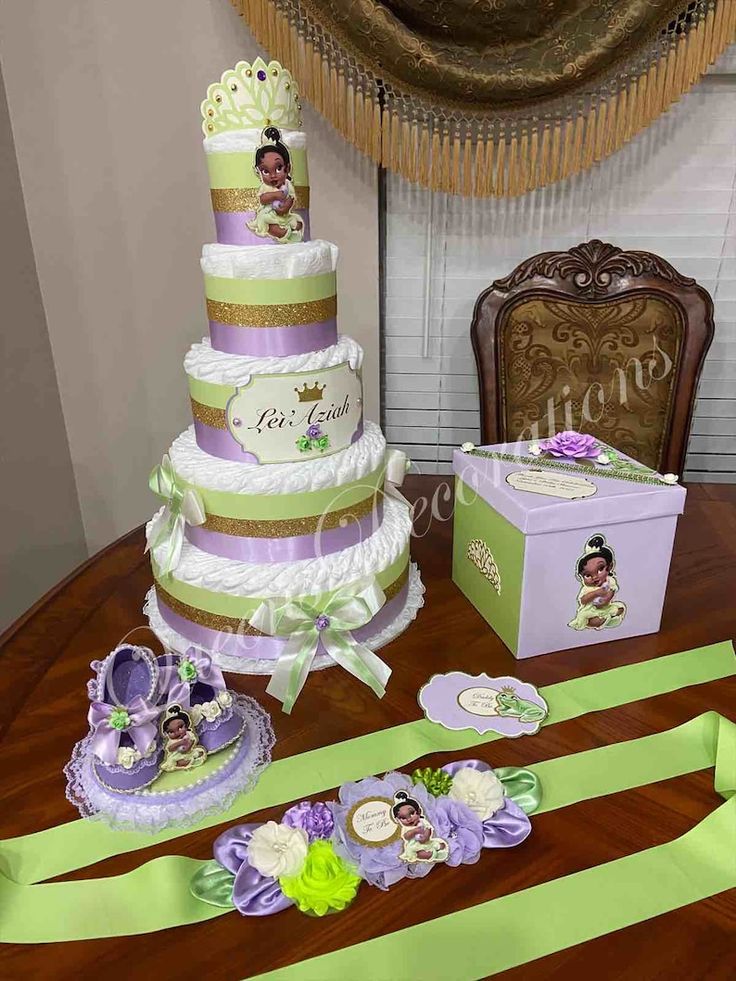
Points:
305	626
437	782
184	506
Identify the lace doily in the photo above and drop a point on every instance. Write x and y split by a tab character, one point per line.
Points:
150	811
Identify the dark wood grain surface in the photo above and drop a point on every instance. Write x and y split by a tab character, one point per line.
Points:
44	667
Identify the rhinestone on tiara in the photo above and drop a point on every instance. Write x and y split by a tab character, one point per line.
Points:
252	96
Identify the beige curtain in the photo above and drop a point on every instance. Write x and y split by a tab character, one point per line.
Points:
492	97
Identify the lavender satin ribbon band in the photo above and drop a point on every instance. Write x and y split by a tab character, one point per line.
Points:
232	227
291	549
249	648
280	341
219	442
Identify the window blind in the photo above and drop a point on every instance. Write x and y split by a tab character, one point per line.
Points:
671	191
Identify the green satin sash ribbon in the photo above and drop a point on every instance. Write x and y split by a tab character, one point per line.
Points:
558	914
155	896
46	854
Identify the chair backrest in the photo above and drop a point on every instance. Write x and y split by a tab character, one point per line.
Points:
598	340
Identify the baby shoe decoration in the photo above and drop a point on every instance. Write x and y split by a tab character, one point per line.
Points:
152	717
381	830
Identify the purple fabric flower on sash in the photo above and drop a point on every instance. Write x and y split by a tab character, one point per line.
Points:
253	894
137	720
381	866
315	819
509	826
464	832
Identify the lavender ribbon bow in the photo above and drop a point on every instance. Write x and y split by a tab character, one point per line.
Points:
207	673
109	722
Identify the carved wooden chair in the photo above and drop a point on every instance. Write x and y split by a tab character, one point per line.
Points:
594	339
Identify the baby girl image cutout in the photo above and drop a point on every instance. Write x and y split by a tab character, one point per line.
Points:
275	217
182	750
598	603
417	834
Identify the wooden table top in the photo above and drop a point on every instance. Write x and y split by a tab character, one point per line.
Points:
45	666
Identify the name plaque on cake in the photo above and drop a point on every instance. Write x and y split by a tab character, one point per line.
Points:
306	414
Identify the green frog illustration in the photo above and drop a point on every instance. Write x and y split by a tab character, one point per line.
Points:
510	705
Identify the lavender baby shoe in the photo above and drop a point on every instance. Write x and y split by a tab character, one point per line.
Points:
194	681
124	738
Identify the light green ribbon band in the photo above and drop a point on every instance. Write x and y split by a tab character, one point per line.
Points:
283	507
77	844
154	896
243	607
558	914
237	169
266	292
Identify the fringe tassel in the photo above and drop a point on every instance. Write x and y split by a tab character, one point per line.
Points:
472	156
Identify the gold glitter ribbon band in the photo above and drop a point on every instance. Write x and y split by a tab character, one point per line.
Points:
208	415
272	314
292	527
215	621
246	198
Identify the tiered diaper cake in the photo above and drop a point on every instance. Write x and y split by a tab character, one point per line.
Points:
283	545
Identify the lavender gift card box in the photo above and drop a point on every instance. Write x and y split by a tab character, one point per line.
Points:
557	554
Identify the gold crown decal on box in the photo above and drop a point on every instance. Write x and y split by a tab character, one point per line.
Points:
252	96
313	394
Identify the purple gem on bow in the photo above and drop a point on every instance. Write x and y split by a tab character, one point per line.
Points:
314	431
315	819
577	446
322	622
253	894
261	75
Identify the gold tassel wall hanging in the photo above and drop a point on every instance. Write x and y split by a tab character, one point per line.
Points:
468	110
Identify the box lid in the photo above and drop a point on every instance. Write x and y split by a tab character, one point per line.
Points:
543	494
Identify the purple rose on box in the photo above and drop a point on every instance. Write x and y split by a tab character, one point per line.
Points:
315	819
314	431
578	446
463	830
380	866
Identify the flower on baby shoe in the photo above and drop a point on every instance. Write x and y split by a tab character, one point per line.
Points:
186	670
128	756
480	790
119	719
210	710
325	883
315	819
225	698
195	714
276	849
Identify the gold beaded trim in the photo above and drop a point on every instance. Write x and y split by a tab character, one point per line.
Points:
290	527
246	198
209	415
215	621
272	314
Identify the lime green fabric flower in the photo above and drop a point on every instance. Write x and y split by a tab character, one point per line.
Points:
119	719
325	884
323	443
437	782
187	671
304	443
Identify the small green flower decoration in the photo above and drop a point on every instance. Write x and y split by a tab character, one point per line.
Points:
187	671
322	443
304	443
437	782
325	884
119	719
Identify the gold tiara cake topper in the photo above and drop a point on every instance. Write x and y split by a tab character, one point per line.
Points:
252	96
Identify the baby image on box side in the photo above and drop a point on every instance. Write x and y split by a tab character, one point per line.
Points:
597	603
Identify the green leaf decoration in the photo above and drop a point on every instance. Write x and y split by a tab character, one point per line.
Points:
213	884
522	787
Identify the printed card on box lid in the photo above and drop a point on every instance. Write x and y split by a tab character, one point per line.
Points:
558	551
